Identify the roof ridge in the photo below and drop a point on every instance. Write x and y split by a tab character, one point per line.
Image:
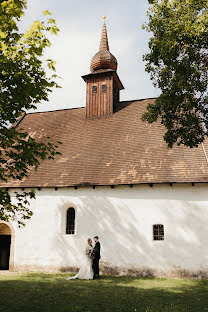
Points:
151	98
55	110
64	109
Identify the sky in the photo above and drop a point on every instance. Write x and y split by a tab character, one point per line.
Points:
80	24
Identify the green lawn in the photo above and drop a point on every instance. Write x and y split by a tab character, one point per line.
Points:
51	292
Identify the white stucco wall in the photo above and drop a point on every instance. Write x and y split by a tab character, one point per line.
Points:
122	217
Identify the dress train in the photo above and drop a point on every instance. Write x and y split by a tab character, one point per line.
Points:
85	271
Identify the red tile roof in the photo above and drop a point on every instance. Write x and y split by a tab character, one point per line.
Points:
120	149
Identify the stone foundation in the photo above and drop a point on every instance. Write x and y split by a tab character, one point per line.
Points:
106	269
150	272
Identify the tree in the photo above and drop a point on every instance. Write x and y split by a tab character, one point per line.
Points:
23	84
178	65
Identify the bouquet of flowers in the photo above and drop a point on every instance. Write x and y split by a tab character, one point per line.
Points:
89	252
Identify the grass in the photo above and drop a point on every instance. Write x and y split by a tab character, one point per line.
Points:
51	292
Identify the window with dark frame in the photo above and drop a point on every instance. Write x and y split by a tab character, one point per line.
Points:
158	232
104	88
70	221
94	89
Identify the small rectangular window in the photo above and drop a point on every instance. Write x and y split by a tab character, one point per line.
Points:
94	89
158	232
104	88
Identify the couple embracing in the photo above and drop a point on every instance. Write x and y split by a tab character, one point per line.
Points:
89	268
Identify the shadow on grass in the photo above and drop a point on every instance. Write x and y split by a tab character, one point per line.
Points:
51	292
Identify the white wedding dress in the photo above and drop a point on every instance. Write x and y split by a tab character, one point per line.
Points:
85	271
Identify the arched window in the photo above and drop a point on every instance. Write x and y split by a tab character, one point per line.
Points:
70	221
158	232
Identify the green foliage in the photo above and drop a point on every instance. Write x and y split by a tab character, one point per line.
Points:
23	84
178	65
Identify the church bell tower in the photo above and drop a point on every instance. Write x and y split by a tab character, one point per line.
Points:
103	84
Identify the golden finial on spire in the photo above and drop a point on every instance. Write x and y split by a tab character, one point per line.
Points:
104	18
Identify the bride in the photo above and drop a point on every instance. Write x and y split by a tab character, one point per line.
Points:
85	271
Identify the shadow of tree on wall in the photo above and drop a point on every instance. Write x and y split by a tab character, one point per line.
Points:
122	238
98	216
51	292
187	239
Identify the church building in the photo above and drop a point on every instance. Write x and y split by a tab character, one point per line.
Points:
117	179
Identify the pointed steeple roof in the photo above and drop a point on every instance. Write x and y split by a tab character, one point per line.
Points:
104	39
103	59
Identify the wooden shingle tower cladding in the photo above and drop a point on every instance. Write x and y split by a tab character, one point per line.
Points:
102	84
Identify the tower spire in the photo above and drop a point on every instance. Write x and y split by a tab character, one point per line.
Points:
104	37
103	59
103	83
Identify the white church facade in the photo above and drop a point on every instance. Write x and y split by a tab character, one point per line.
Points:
117	179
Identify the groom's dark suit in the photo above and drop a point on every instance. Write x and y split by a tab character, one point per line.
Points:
96	258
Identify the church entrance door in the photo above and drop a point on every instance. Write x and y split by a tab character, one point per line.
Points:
5	242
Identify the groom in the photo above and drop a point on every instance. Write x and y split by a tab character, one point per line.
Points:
96	258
